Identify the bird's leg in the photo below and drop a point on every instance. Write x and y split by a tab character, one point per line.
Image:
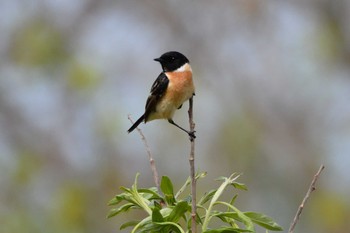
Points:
190	133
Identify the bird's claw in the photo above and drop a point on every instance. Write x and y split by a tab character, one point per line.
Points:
192	135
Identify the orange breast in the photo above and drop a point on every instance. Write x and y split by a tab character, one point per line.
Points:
180	89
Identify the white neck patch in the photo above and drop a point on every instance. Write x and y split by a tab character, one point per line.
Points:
185	67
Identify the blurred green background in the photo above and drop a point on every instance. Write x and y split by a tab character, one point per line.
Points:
272	102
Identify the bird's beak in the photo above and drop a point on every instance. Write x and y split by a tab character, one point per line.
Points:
157	59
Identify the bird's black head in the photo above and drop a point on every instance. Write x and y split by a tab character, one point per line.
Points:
172	60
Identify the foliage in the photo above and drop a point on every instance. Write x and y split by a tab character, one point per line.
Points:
167	212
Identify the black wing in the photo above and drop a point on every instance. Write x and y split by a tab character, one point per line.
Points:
160	85
157	91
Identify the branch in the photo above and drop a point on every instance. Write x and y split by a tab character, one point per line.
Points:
150	157
312	188
192	168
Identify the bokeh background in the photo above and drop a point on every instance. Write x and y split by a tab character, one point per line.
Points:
272	102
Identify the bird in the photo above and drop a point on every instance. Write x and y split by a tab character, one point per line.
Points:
170	90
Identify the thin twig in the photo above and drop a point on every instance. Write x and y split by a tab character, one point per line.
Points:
192	168
150	157
312	188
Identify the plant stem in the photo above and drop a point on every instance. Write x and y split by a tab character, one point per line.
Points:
192	168
312	188
150	157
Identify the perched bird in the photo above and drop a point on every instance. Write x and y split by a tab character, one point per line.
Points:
171	89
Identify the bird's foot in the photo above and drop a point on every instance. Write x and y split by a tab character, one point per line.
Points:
192	135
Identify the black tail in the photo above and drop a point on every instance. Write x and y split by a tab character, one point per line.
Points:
136	123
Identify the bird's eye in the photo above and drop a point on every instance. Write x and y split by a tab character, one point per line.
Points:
172	58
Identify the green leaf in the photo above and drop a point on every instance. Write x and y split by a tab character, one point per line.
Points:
118	198
233	199
226	230
240	186
123	208
207	196
114	201
229	220
128	224
137	197
127	190
263	221
142	224
201	175
232	215
218	193
167	188
174	227
238	215
188	182
151	193
221	178
178	211
157	216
